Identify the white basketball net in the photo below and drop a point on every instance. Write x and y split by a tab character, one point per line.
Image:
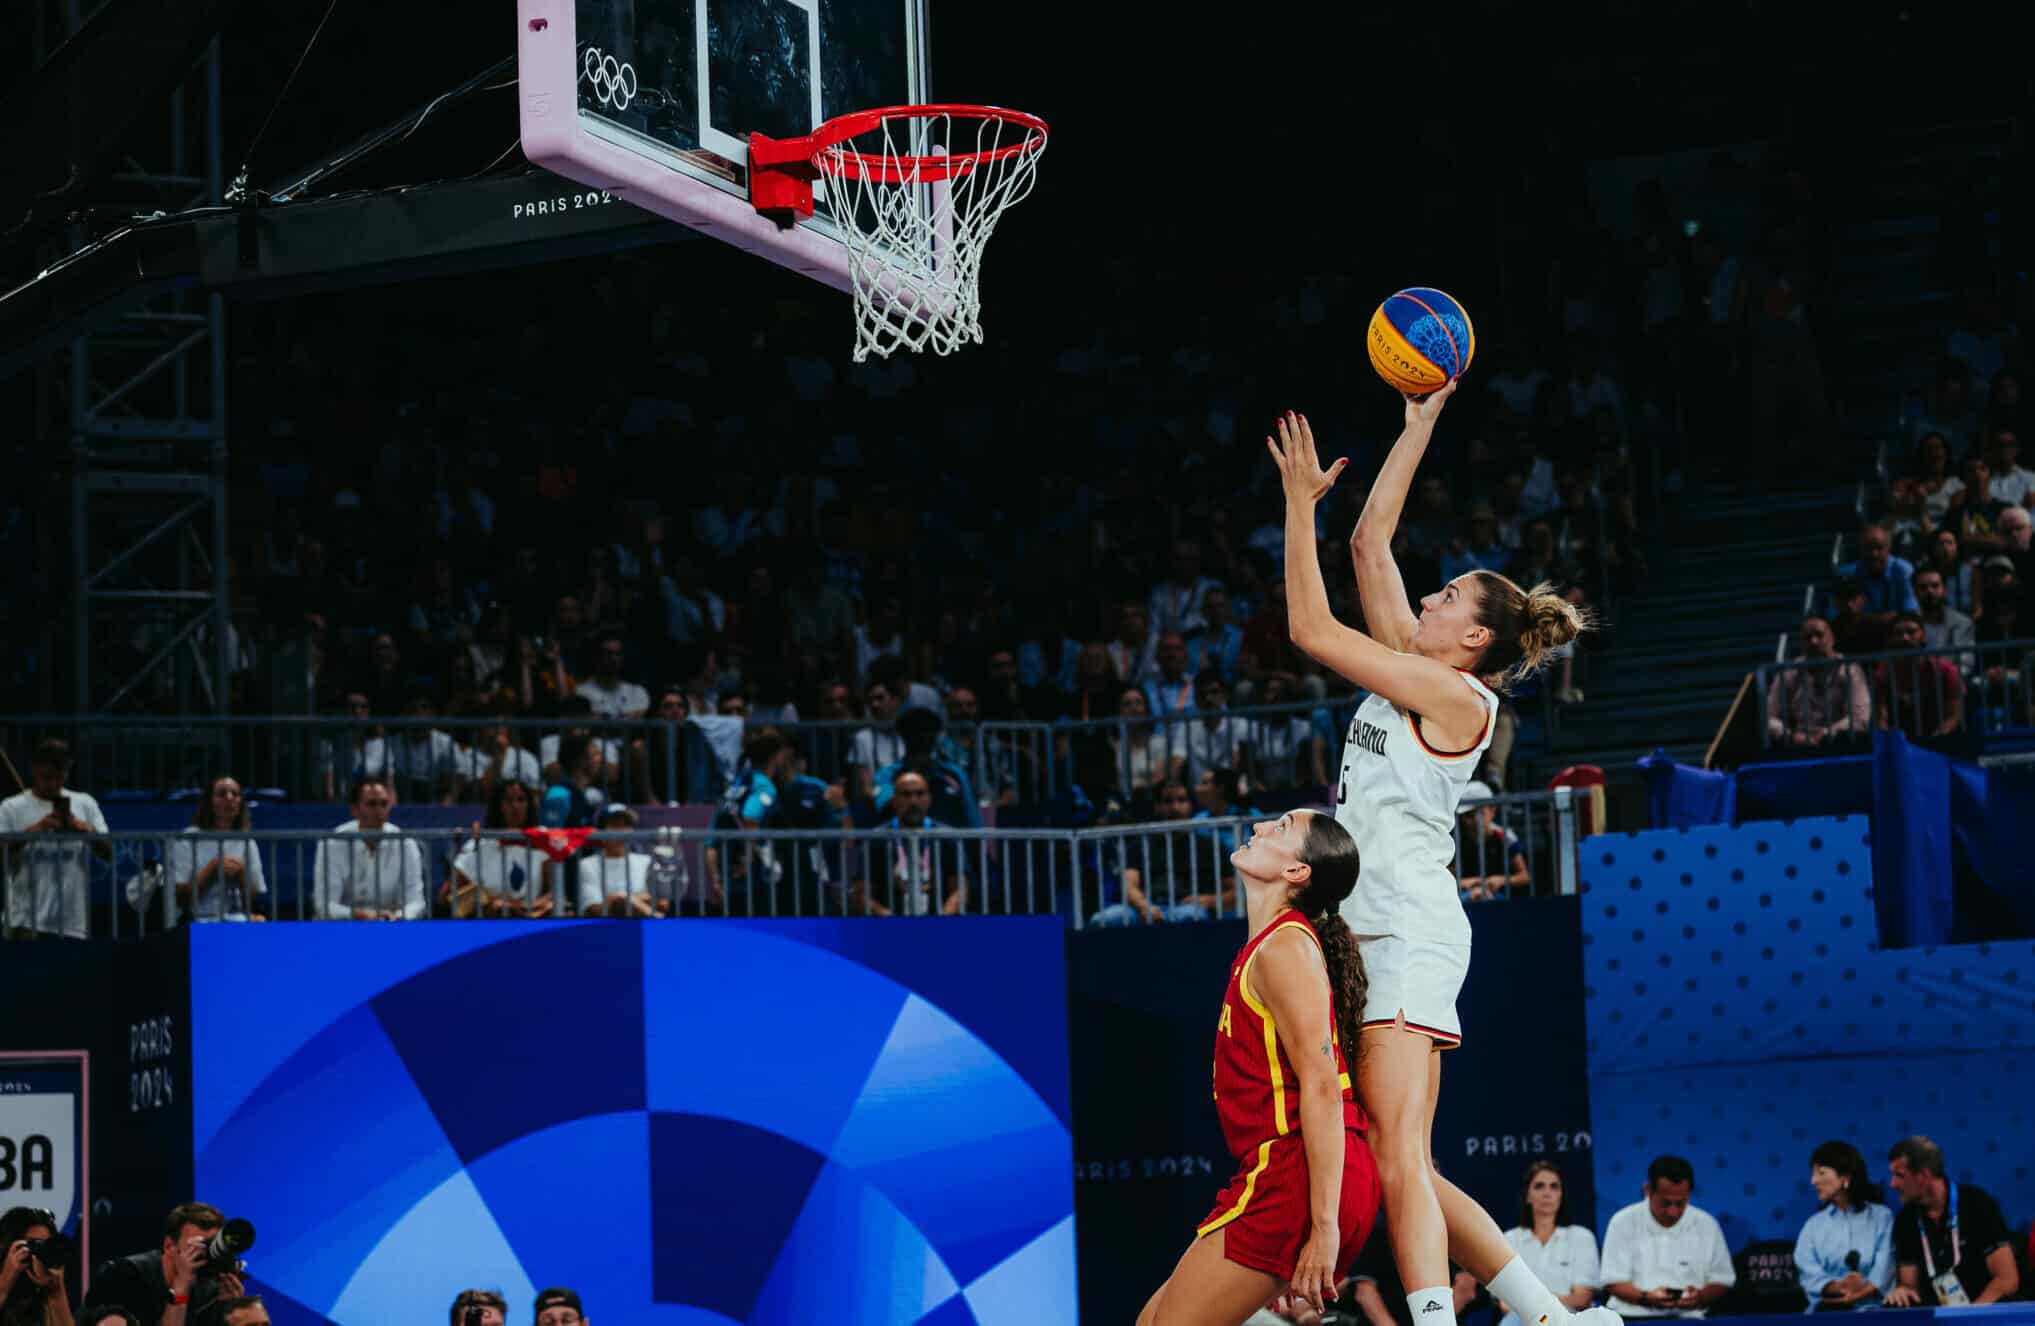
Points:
915	224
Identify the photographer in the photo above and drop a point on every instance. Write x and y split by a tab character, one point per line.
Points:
558	1307
176	1284
32	1288
480	1307
244	1310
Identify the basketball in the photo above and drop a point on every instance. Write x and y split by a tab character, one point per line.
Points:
1419	339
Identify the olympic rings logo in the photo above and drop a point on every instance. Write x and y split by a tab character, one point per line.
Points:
614	80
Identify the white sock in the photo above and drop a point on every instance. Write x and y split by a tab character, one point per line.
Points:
1432	1307
1522	1290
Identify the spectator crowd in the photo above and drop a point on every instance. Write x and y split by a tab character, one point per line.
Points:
612	578
782	841
1940	577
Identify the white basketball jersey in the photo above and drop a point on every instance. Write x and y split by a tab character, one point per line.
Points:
1397	796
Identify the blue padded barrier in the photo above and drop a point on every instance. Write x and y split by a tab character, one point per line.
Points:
1740	1010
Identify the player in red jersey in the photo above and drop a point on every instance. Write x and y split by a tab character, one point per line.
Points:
1306	1189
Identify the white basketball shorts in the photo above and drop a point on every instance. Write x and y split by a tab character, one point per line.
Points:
1415	979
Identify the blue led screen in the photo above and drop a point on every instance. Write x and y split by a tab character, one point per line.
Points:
688	1122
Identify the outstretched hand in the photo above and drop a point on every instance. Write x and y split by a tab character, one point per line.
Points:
1424	410
1300	472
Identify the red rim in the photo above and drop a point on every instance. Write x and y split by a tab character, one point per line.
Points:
831	158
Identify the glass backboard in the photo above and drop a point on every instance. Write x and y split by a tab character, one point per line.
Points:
653	100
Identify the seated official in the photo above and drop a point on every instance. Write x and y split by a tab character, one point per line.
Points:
1562	1254
1665	1256
1951	1245
616	881
366	870
1845	1252
498	871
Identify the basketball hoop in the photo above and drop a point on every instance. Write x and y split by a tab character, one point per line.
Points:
916	192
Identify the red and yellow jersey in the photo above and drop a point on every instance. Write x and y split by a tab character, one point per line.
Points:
1256	1089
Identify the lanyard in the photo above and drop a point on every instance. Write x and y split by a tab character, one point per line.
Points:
1956	1254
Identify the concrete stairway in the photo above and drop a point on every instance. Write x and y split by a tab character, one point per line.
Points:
1725	589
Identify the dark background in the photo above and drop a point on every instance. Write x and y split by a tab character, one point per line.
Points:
1250	146
90	997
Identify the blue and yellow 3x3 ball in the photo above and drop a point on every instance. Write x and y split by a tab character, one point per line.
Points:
1419	339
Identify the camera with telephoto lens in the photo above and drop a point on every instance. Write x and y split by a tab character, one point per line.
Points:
52	1252
472	1317
223	1249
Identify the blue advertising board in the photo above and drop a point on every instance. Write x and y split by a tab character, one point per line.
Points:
701	1122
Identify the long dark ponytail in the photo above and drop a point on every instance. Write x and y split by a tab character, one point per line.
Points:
1331	854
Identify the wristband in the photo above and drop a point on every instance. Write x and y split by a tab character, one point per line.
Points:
179	1300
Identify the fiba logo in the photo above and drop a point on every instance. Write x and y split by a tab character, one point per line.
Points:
24	1162
39	1149
614	81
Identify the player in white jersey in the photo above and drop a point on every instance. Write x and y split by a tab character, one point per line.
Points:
1411	749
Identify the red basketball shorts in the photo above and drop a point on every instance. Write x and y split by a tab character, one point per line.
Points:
1265	1207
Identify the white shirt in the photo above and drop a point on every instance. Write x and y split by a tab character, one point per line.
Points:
1149	757
518	766
509	868
1398	800
1689	1254
48	883
625	699
1563	1262
1937	504
225	899
1211	748
382	872
604	877
872	749
2012	486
